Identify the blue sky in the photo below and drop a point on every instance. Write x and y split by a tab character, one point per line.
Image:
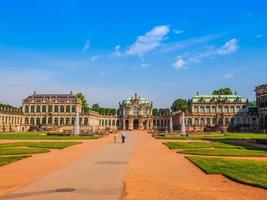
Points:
111	49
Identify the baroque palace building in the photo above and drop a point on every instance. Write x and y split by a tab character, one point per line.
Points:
58	112
261	99
218	113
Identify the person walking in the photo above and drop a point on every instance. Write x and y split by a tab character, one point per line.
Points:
115	136
123	137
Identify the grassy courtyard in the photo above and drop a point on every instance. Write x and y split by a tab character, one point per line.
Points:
211	136
17	151
10	159
224	152
42	136
244	171
49	145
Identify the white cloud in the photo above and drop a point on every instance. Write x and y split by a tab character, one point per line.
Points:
229	47
149	41
144	65
178	31
94	58
179	64
86	45
117	52
259	36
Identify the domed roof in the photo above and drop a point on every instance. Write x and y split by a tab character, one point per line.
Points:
130	100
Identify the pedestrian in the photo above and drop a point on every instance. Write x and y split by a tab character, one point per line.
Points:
115	136
123	136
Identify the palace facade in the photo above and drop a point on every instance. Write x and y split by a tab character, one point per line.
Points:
58	112
261	99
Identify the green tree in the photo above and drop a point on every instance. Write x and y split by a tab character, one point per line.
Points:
155	112
223	91
166	111
161	111
179	104
95	107
85	107
252	103
113	111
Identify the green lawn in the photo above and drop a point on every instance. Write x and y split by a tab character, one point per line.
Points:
226	136
224	152
42	136
245	171
49	145
16	151
193	145
10	159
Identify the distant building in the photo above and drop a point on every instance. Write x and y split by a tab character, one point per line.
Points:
217	113
135	113
261	99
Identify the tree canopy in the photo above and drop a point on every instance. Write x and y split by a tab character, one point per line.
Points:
103	111
179	104
85	106
223	91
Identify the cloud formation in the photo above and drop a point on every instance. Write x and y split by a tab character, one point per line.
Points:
86	45
149	41
229	47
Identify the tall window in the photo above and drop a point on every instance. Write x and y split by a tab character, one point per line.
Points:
67	108
196	109
62	108
226	109
44	108
73	108
56	108
213	109
38	108
26	109
220	109
135	112
56	121
32	109
232	109
50	108
208	109
201	109
196	121
237	109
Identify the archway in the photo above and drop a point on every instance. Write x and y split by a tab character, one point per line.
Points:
135	124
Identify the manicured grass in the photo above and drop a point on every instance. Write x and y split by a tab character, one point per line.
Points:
10	159
16	151
226	136
42	136
49	145
245	171
224	152
193	145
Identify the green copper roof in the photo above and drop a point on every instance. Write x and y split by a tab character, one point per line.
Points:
208	98
129	101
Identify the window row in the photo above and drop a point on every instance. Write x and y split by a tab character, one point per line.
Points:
10	120
108	122
213	109
50	108
55	121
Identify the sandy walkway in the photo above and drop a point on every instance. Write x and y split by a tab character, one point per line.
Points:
25	171
156	173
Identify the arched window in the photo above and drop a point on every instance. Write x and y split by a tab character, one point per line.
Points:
26	121
26	109
61	121
202	121
135	112
237	109
44	108
106	122
44	121
50	108
226	121
201	109
56	108
80	120
73	108
109	122
208	121
72	120
56	121
189	121
62	109
32	121
38	121
67	108
196	109
32	109
232	121
50	120
38	108
196	121
67	121
220	109
220	121
232	109
214	109
113	122
226	109
85	121
208	109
